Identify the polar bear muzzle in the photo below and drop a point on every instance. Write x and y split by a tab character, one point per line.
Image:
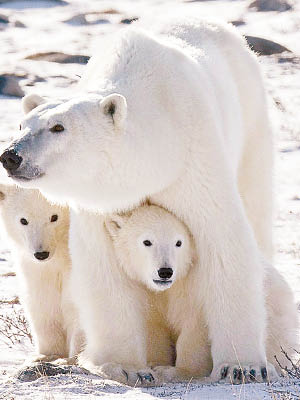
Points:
10	160
16	167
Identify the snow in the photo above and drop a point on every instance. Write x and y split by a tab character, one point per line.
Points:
45	31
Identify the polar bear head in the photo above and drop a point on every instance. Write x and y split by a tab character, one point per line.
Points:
152	246
86	149
36	228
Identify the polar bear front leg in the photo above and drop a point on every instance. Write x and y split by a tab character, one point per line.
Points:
193	354
110	310
230	273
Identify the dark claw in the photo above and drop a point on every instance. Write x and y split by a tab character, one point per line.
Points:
224	372
149	377
235	373
125	373
264	373
145	377
245	373
252	374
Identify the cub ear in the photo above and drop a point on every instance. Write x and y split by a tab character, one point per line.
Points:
114	106
31	101
115	223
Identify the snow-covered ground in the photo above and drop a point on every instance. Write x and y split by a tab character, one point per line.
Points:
44	30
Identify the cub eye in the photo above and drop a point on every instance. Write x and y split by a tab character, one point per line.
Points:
54	218
178	243
57	128
147	243
24	221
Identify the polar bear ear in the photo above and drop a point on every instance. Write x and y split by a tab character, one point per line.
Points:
4	189
114	106
30	101
114	223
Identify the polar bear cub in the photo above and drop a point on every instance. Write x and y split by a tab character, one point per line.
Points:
38	232
156	249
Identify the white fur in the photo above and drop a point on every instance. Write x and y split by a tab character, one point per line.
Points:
45	289
174	308
195	140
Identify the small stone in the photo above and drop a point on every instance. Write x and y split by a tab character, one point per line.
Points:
19	24
129	20
38	370
10	86
271	5
265	47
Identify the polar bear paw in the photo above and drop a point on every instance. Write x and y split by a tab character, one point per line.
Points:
166	374
244	373
128	376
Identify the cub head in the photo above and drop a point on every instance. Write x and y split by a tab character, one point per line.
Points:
37	229
152	246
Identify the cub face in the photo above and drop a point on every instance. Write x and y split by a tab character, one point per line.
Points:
35	226
152	246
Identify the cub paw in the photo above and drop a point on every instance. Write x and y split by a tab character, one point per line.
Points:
127	375
166	374
244	373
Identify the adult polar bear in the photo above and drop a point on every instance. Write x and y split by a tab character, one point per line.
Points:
179	117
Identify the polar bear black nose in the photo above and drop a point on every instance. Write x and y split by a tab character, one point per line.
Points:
165	273
10	160
41	255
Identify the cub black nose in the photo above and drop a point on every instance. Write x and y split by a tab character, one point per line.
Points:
165	273
10	160
41	255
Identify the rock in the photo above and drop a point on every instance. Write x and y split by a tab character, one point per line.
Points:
79	19
19	24
270	5
86	19
238	22
59	58
37	370
128	20
4	19
265	47
10	86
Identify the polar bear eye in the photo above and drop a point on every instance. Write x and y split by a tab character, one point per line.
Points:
147	243
57	128
24	221
178	243
20	127
54	218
